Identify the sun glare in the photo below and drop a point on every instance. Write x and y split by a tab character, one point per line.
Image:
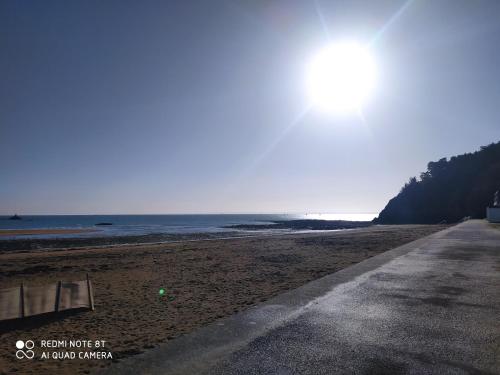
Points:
341	77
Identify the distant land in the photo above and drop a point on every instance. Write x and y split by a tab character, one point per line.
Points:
449	190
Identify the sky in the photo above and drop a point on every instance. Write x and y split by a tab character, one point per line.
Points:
112	107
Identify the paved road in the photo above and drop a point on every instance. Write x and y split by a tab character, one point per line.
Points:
429	307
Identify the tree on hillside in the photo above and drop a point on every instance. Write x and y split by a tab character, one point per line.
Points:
449	190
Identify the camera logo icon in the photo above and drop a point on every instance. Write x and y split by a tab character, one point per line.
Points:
28	353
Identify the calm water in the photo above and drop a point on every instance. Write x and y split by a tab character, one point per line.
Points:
146	224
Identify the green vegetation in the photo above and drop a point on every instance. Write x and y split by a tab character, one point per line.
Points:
449	190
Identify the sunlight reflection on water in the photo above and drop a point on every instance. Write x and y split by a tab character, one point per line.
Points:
349	217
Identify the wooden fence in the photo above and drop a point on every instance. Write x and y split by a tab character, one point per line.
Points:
24	301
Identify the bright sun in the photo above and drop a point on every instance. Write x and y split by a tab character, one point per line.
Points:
341	77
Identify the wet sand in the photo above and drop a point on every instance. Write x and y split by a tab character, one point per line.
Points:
26	232
204	280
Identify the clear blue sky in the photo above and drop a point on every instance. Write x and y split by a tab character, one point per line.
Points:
182	106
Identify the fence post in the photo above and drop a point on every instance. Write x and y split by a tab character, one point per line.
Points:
22	299
89	292
58	295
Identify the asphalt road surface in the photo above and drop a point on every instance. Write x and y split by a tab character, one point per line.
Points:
428	307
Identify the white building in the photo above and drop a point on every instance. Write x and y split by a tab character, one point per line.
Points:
493	213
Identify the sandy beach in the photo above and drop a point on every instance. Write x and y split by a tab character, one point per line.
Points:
204	281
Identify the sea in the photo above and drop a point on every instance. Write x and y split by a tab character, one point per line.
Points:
155	224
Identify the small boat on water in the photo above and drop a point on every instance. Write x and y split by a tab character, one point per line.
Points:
15	217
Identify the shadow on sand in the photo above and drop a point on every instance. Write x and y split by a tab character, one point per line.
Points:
36	321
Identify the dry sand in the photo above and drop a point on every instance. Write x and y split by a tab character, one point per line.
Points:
204	281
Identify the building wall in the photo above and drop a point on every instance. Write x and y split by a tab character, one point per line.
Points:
493	214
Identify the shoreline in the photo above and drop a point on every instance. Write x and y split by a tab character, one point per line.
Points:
62	236
251	234
31	232
304	224
204	281
76	243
